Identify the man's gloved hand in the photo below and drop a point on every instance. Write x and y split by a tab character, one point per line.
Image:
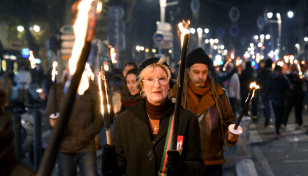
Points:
174	162
109	160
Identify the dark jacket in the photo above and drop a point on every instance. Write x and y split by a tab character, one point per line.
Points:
85	122
276	88
136	154
297	92
248	76
210	126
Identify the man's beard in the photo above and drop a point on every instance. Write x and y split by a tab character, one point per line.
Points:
198	85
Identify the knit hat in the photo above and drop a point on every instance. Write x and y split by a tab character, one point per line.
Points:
198	56
153	60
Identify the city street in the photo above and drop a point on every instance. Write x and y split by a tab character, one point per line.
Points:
283	157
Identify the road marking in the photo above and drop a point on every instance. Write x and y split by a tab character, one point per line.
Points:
262	160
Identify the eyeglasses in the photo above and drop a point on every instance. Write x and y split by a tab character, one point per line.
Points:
161	80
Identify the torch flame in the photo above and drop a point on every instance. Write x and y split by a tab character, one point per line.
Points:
54	71
254	85
113	55
90	74
106	67
100	91
183	30
32	60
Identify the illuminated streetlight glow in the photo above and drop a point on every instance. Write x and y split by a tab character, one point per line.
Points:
212	41
20	28
278	15
251	44
267	36
259	44
36	28
269	15
206	41
296	45
138	48
206	30
192	30
261	36
306	39
215	47
222	46
170	51
290	14
141	48
249	49
256	37
216	40
153	50
147	50
199	30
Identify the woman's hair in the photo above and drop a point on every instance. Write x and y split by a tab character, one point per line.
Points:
132	71
4	98
153	66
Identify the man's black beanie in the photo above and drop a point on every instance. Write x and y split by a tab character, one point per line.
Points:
198	56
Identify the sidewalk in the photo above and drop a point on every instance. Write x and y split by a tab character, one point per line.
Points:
284	157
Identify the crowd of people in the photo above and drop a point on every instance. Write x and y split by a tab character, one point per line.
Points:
142	125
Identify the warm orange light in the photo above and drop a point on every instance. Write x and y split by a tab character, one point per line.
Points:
253	85
183	29
54	71
32	60
113	55
280	63
89	72
232	56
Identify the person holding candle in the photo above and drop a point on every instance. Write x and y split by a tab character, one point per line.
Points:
141	134
275	92
78	142
209	101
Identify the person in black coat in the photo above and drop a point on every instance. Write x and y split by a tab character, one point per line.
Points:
141	133
275	92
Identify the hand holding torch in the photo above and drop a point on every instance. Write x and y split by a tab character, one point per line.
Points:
233	128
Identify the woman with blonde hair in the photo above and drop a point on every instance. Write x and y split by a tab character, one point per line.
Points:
141	134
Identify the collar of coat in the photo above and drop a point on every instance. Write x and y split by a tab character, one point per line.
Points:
204	102
142	120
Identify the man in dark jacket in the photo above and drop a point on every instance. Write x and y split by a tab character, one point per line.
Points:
295	98
275	92
78	147
248	76
210	103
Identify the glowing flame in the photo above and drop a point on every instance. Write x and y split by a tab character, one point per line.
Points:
106	67
226	64
113	55
32	60
286	59
253	85
303	62
89	72
54	71
232	56
183	30
100	91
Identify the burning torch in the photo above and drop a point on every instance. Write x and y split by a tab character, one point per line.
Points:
185	36
102	83
233	128
84	28
112	55
33	66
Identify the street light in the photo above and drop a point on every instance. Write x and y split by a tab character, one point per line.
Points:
251	44
290	14
222	46
199	30
256	37
20	28
206	30
192	30
260	45
206	41
153	50
267	37
138	48
261	36
296	45
212	41
215	47
269	15
141	48
216	40
36	28
306	39
298	48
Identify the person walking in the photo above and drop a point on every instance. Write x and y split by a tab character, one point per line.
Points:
23	80
209	101
140	134
295	98
132	92
275	92
77	145
232	87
